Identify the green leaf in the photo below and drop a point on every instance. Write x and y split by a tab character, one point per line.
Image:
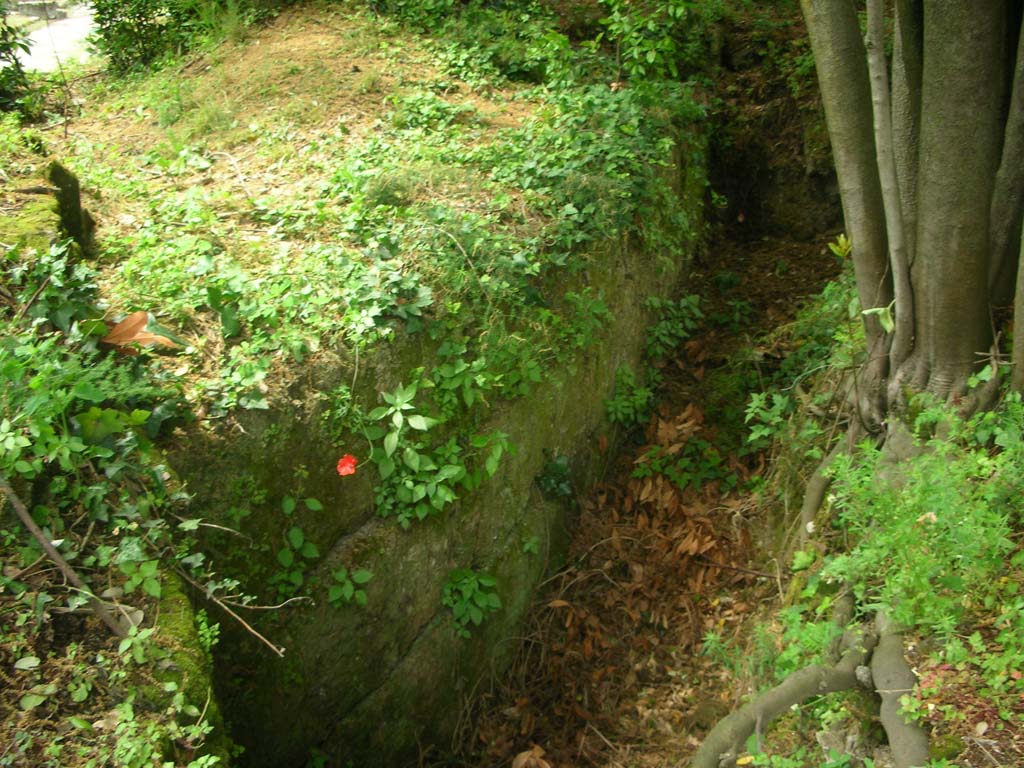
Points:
386	467
884	315
229	321
27	662
296	537
491	465
397	419
309	550
390	443
313	505
803	560
362	576
30	701
411	459
422	423
80	724
287	505
285	557
449	471
378	413
84	390
151	587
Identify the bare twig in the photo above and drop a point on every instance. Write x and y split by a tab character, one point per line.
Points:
737	568
98	607
227	609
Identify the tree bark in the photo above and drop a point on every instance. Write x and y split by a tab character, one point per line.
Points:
1008	196
961	131
843	77
1017	376
893	679
892	200
906	111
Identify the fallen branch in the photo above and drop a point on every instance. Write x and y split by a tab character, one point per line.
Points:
95	604
727	739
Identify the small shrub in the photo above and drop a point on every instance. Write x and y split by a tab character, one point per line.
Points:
632	403
471	596
13	82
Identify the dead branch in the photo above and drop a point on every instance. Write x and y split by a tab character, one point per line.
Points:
95	604
227	609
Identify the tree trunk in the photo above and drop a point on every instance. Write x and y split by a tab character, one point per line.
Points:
1008	197
961	132
885	156
906	110
843	76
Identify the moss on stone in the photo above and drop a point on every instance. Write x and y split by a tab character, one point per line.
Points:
35	226
190	666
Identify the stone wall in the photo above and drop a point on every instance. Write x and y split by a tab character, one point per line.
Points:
374	684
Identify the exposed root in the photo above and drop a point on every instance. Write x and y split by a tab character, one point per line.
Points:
818	485
723	745
893	678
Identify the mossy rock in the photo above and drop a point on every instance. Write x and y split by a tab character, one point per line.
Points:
189	665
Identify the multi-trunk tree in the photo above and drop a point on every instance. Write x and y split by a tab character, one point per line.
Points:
925	109
929	151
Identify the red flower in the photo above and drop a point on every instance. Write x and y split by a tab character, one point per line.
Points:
347	465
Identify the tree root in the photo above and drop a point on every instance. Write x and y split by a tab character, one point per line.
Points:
815	492
892	679
818	485
727	739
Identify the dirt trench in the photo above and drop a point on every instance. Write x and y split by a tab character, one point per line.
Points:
677	542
